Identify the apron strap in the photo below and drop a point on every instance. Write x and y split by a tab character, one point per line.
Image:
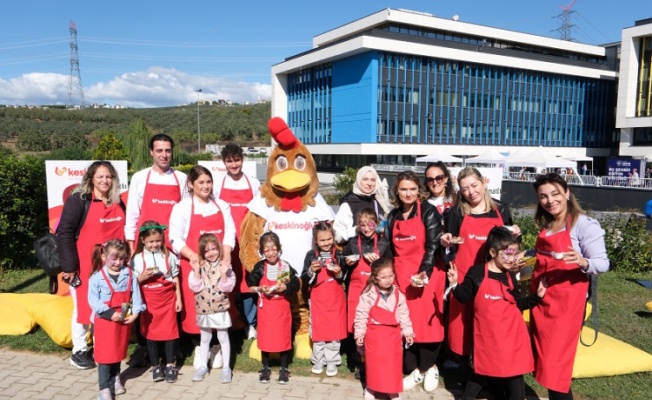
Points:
593	298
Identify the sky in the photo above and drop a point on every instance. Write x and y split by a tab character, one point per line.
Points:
144	53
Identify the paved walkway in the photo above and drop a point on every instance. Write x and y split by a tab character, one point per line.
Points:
37	376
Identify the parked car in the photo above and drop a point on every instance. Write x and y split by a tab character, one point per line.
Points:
263	150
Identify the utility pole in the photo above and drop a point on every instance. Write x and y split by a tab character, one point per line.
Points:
75	82
565	24
198	127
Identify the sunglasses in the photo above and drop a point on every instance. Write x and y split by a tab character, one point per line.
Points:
437	178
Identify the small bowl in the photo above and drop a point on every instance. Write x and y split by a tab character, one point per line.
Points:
416	281
457	240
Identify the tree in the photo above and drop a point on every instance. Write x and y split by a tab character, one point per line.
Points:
344	182
136	140
110	148
33	141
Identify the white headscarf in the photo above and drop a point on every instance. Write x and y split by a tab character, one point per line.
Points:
380	192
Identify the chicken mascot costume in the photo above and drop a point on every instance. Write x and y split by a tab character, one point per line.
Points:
288	205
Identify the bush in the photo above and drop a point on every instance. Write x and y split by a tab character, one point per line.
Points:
23	209
529	230
344	182
629	245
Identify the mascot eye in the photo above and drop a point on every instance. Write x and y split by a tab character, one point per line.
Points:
300	163
282	163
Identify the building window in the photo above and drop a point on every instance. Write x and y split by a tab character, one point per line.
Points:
644	97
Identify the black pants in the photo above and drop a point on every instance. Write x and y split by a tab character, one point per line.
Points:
421	355
512	388
170	347
107	374
285	358
552	395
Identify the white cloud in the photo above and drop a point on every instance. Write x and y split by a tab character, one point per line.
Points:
155	87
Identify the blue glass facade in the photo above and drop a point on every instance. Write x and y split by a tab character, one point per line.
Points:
416	99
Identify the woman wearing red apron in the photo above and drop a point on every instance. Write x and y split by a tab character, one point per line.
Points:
99	195
238	190
413	229
570	246
274	280
322	274
382	317
191	218
115	300
469	223
501	347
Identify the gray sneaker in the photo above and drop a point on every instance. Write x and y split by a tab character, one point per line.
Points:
331	370
200	374
82	360
105	394
227	375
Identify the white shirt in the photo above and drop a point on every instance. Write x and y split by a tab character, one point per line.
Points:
230	183
137	191
344	226
180	221
156	260
294	229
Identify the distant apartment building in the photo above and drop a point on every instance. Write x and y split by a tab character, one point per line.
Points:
397	84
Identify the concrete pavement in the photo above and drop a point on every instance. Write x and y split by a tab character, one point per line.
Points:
47	376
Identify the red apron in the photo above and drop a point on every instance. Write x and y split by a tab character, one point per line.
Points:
426	307
274	320
501	341
112	338
238	200
199	225
383	349
159	320
102	223
158	201
357	282
470	253
327	308
557	320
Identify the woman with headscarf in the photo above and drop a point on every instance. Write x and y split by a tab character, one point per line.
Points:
368	192
93	214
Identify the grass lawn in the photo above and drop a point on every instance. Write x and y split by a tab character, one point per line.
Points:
622	314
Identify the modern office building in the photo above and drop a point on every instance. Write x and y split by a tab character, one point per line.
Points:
634	109
397	84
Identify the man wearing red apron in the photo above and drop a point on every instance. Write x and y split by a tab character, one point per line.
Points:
557	320
238	190
474	231
154	191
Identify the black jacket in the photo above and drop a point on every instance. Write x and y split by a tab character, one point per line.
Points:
431	219
253	278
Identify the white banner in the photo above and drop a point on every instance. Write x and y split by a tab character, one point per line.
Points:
495	176
63	176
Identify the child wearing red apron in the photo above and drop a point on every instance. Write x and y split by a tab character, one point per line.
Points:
212	281
360	251
381	318
115	301
323	276
274	280
158	275
501	342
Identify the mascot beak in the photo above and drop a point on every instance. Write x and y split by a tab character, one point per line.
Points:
290	181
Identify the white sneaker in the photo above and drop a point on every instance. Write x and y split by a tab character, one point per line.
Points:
318	368
431	380
215	357
413	380
331	370
196	362
200	374
251	333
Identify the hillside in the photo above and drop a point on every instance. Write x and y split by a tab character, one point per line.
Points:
43	129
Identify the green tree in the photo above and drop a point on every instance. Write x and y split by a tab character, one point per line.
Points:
136	140
33	141
23	209
110	148
344	182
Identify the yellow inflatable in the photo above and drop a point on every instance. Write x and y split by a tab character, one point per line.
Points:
15	318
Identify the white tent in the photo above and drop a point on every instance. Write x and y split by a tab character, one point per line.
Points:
540	158
439	155
579	158
490	156
519	153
